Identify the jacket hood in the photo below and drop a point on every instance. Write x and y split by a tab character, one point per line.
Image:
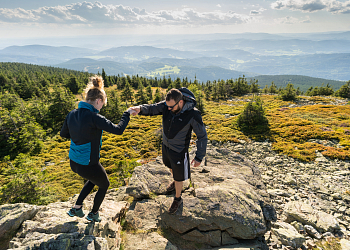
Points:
88	106
189	98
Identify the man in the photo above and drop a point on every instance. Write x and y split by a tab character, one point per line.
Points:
180	117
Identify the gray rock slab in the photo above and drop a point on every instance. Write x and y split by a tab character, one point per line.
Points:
12	217
147	241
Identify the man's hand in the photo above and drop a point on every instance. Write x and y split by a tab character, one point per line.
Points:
134	110
195	163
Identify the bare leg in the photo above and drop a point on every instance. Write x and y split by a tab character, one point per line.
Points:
178	188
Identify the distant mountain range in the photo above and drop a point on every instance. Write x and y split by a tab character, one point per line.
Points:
208	57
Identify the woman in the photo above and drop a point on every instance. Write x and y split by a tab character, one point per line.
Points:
84	126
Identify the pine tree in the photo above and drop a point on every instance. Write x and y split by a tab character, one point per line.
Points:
253	118
127	93
61	103
113	110
141	96
157	96
344	90
288	93
149	92
73	85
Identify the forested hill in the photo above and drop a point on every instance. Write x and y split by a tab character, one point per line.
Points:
301	82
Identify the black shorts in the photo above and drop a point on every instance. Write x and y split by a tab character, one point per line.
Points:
178	162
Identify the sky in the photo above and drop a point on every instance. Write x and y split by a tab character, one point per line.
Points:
70	18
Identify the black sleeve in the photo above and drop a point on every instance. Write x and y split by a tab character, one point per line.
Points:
102	123
202	138
152	109
65	130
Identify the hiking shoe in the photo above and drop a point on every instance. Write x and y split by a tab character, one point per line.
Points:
76	212
171	187
93	217
173	208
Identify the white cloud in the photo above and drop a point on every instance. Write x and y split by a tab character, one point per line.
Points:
257	12
218	5
332	6
92	13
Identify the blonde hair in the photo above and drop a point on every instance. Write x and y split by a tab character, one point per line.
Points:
94	90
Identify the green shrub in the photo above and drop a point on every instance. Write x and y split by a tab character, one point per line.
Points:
289	93
253	118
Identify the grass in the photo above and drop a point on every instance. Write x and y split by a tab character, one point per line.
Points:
328	244
166	70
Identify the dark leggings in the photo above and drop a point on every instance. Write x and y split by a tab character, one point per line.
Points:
96	175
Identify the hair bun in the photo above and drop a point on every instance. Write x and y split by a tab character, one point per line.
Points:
97	81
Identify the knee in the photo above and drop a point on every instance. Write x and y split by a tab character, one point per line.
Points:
105	184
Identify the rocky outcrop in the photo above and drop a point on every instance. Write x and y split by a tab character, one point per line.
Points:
225	201
11	218
52	228
226	205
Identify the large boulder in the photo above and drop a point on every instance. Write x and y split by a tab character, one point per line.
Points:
227	201
11	218
52	228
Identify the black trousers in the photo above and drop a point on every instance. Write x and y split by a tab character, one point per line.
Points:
96	175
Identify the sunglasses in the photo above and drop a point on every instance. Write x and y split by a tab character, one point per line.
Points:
171	107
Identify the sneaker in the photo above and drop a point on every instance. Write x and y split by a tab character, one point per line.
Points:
171	187
93	217
76	212
173	208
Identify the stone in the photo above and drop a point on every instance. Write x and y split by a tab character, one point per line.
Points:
298	226
227	199
11	218
147	241
345	244
149	178
52	228
289	237
144	215
304	213
226	239
312	232
278	192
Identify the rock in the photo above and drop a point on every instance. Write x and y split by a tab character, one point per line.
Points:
228	201
336	196
289	237
11	218
298	226
147	241
278	192
152	177
312	232
304	213
52	228
144	215
345	244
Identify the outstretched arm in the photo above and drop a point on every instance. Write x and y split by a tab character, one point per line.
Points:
149	109
106	125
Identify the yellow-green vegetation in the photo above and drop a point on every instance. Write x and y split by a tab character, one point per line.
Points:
164	71
328	244
289	128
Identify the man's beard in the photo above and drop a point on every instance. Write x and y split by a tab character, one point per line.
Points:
176	110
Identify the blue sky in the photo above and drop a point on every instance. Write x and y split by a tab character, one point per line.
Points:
39	18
